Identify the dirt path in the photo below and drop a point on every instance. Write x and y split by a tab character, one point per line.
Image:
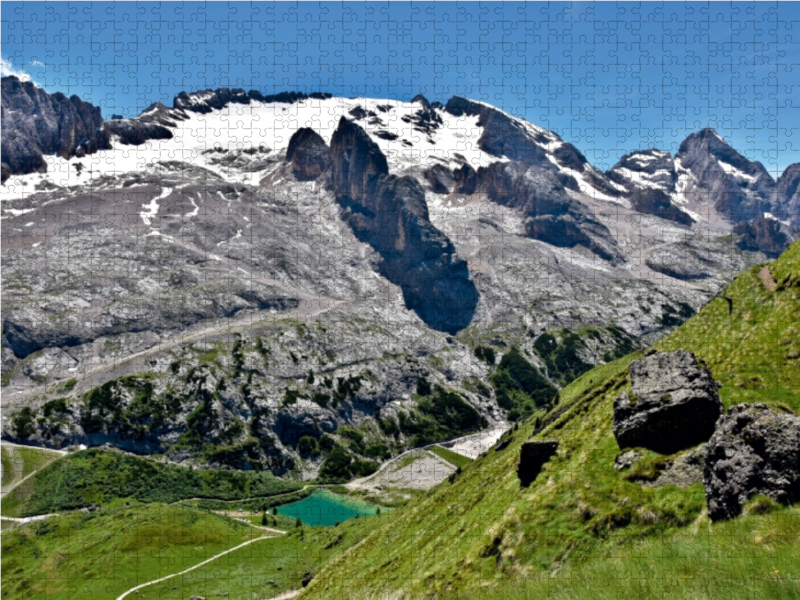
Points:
134	363
25	520
765	275
12	456
197	566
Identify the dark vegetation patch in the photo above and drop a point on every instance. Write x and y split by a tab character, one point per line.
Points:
441	415
624	344
340	466
672	317
562	357
486	354
519	387
97	476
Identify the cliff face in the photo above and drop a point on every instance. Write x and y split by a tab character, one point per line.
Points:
35	123
390	214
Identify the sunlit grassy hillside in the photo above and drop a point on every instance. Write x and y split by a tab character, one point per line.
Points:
584	529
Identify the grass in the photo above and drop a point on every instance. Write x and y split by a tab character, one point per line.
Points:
104	553
99	476
454	458
267	568
750	350
583	529
20	462
738	560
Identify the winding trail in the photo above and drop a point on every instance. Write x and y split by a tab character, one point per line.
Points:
205	330
197	566
15	484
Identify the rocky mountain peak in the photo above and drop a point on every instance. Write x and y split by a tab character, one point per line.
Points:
308	153
35	123
358	162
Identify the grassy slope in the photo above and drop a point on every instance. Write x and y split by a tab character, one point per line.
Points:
102	554
267	568
19	462
454	458
100	476
581	519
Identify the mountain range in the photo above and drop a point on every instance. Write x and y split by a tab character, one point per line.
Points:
220	279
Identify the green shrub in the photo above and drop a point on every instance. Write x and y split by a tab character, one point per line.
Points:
486	354
519	387
23	423
308	446
101	476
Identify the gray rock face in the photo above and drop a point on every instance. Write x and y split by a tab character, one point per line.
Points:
740	189
788	190
207	101
626	459
36	123
135	132
308	153
763	235
673	405
391	215
502	135
550	214
754	450
685	470
532	457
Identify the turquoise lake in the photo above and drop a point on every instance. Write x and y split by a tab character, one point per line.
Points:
323	508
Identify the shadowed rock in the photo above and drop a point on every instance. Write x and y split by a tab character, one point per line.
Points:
532	457
766	235
788	195
308	153
35	123
391	215
754	450
673	404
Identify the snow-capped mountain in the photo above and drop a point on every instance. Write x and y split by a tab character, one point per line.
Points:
407	232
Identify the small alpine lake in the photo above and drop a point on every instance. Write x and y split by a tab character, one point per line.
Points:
323	508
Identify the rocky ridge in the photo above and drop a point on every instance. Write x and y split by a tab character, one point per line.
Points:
309	208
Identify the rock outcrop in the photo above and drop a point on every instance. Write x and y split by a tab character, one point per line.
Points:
135	132
550	214
788	191
739	188
754	450
35	123
673	404
309	154
207	101
532	457
765	235
391	215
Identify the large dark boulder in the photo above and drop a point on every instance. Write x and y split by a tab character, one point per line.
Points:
391	215
673	404
532	457
754	450
308	153
35	123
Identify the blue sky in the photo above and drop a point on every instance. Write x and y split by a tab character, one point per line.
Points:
608	77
